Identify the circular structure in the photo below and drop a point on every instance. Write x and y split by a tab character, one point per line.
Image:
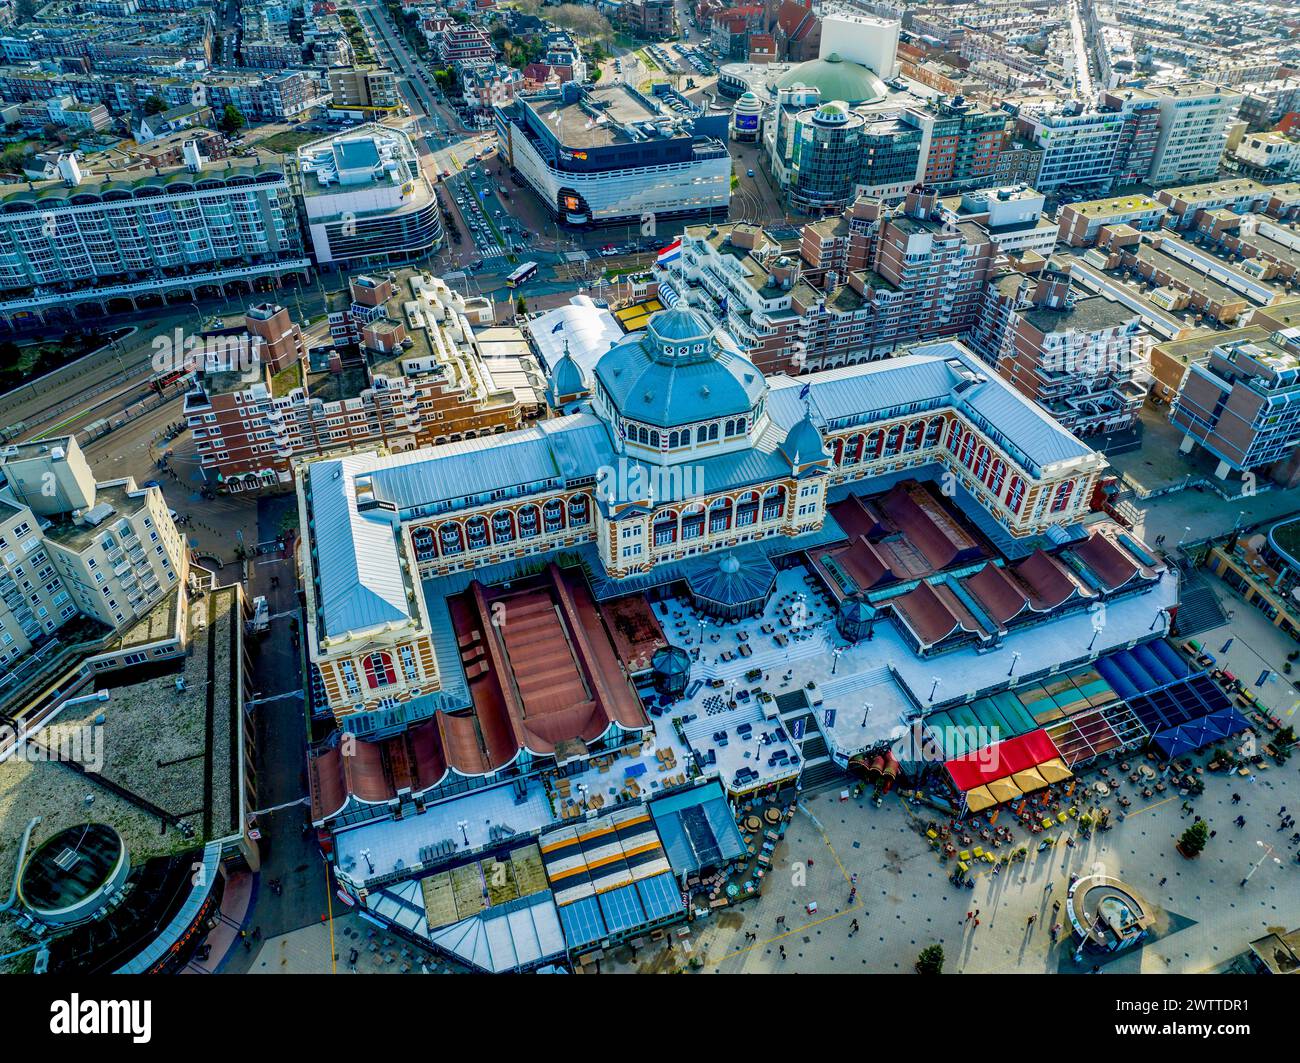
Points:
746	117
678	371
832	113
836	79
671	666
1107	915
856	618
74	873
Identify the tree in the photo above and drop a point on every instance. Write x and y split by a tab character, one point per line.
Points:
521	306
232	120
155	105
931	960
1194	838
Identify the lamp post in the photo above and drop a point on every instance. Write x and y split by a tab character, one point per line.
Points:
370	864
835	658
1187	530
1015	657
866	711
1159	613
935	687
464	829
1268	852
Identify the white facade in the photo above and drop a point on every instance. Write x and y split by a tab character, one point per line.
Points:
699	185
1193	129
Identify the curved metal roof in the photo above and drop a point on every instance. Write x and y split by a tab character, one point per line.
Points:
836	79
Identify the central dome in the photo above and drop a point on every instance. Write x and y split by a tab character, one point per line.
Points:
679	371
836	79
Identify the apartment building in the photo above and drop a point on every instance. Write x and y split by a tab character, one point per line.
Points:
1194	119
1103	146
1083	358
363	92
70	547
961	142
119	238
1241	404
1078	224
366	200
405	371
844	290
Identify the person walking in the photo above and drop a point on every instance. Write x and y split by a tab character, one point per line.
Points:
781	949
1163	880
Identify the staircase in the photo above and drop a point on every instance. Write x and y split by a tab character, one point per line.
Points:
818	768
1198	606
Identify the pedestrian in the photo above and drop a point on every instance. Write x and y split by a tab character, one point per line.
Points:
1049	887
970	916
1030	921
780	920
1213	833
782	950
1056	906
977	922
1242	882
853	893
1236	799
1163	880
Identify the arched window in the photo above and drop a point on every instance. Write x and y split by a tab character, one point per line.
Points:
553	516
915	431
702	434
654	437
954	435
529	522
773	502
379	670
893	440
837	452
476	530
693	521
426	546
1015	494
503	527
747	509
1061	500
967	448
719	515
578	510
665	527
982	462
933	430
713	432
853	449
451	539
997	475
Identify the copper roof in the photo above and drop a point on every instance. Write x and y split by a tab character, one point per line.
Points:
1049	583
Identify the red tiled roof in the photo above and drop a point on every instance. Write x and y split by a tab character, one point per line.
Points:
1109	562
1050	583
1001	596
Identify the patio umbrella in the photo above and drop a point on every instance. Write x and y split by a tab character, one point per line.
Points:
978	799
1054	770
1029	780
1004	790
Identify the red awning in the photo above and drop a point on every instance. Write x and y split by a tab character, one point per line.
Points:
1001	759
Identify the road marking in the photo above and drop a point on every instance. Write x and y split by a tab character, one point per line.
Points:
1148	808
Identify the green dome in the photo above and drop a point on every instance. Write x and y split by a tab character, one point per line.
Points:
836	79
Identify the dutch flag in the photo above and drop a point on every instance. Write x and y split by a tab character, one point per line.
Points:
669	253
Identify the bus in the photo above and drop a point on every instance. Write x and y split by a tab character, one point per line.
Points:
522	274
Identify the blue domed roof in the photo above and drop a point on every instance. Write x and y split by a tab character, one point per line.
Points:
679	323
678	371
566	379
803	443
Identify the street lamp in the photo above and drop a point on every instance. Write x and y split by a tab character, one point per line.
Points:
835	658
1187	530
1268	852
464	829
866	710
1015	657
937	681
370	865
1159	613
